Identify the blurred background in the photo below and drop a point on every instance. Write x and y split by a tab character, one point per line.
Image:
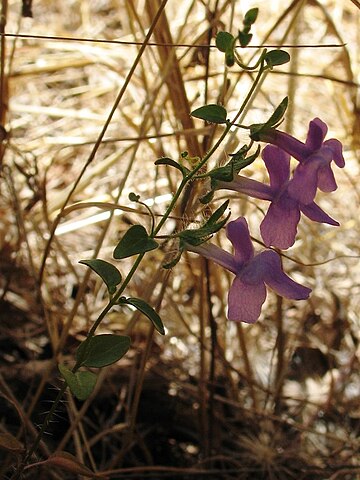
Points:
211	399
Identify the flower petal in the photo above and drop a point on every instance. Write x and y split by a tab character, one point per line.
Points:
280	223
303	185
336	148
245	301
238	234
326	179
277	280
278	165
316	134
317	214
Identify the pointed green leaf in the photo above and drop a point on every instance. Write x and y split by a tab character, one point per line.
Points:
239	159
218	214
207	197
108	272
135	241
273	121
237	163
102	350
81	383
211	113
172	163
244	38
224	41
148	311
277	57
251	16
278	115
202	234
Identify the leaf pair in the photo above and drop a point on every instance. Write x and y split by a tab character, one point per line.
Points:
135	241
96	352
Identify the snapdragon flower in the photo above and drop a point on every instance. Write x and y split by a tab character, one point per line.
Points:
252	273
279	226
314	156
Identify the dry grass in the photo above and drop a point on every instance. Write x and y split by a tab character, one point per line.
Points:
276	400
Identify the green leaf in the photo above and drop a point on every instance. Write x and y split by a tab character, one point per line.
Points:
277	57
202	234
148	311
273	121
244	35
244	38
102	350
218	214
81	383
239	159
211	113
251	16
108	272
224	41
207	197
224	174
172	163
133	197
279	113
227	172
135	241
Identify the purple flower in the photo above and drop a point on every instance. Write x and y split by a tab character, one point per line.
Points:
279	226
253	273
315	157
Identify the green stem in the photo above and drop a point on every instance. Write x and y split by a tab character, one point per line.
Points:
44	426
247	67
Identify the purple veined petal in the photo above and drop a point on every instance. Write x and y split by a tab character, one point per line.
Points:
286	142
245	301
247	186
277	163
238	234
302	187
279	226
317	214
216	254
326	179
278	281
336	148
316	134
